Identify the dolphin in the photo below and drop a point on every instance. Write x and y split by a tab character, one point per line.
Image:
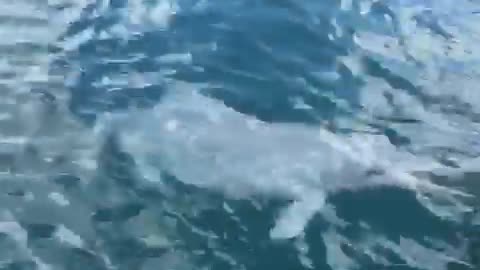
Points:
207	144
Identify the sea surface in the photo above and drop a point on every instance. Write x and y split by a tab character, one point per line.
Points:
240	135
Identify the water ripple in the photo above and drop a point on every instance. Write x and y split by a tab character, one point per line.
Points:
194	134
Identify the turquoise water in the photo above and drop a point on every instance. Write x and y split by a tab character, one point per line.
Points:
249	135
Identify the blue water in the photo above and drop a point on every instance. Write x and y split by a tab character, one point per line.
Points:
404	73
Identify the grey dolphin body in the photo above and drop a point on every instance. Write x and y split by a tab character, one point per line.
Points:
207	144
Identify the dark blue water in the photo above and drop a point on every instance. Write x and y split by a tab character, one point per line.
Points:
400	70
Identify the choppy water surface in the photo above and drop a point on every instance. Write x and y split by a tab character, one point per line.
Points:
201	134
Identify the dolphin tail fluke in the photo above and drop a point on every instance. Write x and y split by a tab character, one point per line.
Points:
294	218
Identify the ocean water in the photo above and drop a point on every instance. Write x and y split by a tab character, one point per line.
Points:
240	135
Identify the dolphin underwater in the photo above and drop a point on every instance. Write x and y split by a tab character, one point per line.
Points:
207	144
